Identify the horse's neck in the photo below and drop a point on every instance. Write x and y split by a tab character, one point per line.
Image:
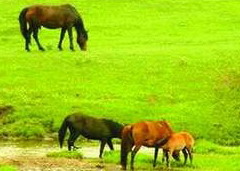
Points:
79	26
118	131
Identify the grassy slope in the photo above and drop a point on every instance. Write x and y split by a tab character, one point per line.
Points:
177	60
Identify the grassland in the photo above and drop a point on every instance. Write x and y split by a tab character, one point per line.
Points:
173	60
201	162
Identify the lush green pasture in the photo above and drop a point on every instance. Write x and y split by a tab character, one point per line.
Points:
173	60
209	162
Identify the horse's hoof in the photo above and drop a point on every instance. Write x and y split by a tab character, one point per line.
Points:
41	49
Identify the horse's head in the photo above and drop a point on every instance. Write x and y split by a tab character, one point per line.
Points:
82	40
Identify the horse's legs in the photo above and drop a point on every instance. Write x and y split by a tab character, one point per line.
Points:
27	44
35	36
28	39
134	152
155	156
168	156
176	155
72	138
103	143
30	30
189	150
185	153
110	145
63	31
70	144
70	38
76	135
164	155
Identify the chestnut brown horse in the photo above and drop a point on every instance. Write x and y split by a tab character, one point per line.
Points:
177	142
148	133
64	16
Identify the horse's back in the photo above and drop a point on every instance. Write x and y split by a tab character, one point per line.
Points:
152	127
176	142
148	133
188	138
90	127
53	8
52	16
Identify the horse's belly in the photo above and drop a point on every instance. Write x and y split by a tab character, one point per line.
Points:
93	136
180	147
51	26
51	23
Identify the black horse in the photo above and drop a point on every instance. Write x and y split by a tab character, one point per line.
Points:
91	128
64	16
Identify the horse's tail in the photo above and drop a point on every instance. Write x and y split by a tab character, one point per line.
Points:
62	132
126	145
23	23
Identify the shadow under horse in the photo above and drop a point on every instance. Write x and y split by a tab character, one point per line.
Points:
149	134
64	16
91	128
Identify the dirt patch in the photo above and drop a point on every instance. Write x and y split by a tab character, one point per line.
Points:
31	163
43	163
32	156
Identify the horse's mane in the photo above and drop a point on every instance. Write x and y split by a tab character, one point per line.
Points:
115	127
79	27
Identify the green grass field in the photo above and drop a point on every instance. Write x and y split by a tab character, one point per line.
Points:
146	60
201	162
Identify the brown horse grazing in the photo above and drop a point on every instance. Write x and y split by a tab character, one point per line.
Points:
91	128
64	16
148	133
177	142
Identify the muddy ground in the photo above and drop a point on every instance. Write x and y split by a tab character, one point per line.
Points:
29	156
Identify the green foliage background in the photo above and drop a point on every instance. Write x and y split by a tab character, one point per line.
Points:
146	60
